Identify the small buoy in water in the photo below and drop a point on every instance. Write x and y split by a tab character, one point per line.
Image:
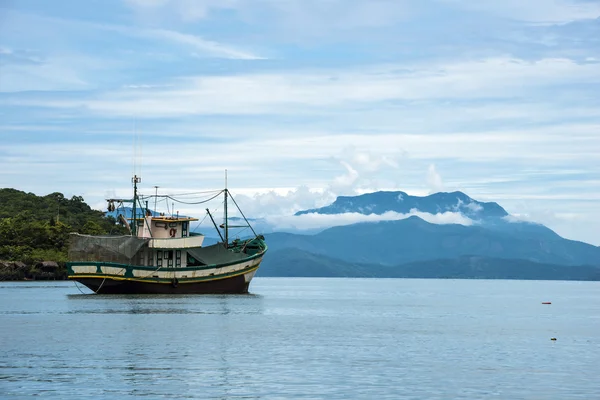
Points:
553	338
546	302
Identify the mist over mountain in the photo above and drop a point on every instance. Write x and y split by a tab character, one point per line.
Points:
400	202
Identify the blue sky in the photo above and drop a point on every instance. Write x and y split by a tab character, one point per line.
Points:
303	100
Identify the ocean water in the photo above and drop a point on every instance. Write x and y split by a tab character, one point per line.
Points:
306	339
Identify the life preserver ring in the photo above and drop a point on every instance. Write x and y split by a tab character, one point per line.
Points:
172	232
174	282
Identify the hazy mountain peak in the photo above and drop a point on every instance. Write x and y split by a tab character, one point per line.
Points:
397	201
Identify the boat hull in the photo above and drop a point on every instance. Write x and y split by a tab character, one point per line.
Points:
114	278
231	285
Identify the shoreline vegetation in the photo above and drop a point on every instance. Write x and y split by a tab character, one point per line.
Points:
34	232
40	271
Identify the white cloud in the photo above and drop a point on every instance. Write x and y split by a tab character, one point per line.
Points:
473	207
68	63
306	17
281	157
546	216
186	10
434	180
321	221
535	11
211	48
263	204
292	92
345	182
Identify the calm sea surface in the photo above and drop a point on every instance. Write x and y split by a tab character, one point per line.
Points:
305	338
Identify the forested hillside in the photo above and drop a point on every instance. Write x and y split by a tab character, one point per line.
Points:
36	228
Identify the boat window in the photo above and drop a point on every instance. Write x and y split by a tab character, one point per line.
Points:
169	257
184	229
173	224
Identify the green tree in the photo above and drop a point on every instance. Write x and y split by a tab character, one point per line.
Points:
93	228
30	230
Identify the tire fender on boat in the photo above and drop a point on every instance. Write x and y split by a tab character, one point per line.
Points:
174	282
172	232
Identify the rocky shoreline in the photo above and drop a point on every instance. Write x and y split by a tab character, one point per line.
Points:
39	271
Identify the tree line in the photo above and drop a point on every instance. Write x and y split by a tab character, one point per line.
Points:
36	228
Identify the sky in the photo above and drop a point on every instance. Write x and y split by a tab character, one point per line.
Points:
304	100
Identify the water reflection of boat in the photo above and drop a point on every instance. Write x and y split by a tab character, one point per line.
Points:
162	255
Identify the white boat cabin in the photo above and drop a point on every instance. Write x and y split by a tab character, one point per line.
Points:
163	227
169	239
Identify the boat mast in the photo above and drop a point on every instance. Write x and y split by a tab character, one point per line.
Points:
136	179
226	222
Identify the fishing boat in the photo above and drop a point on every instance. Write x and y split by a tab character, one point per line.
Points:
162	255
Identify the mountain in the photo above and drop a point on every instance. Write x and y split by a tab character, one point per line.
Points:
413	239
298	263
287	263
489	215
400	202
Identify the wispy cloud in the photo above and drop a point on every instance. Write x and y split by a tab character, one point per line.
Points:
536	11
276	93
306	15
208	47
320	221
186	10
434	179
54	64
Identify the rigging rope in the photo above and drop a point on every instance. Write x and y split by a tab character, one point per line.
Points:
177	195
198	202
195	193
102	284
77	286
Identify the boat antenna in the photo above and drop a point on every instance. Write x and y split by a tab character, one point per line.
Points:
136	179
226	223
155	196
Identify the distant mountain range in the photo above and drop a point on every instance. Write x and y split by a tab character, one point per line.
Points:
296	263
493	246
413	239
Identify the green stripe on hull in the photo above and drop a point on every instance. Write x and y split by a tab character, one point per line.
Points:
99	264
166	281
